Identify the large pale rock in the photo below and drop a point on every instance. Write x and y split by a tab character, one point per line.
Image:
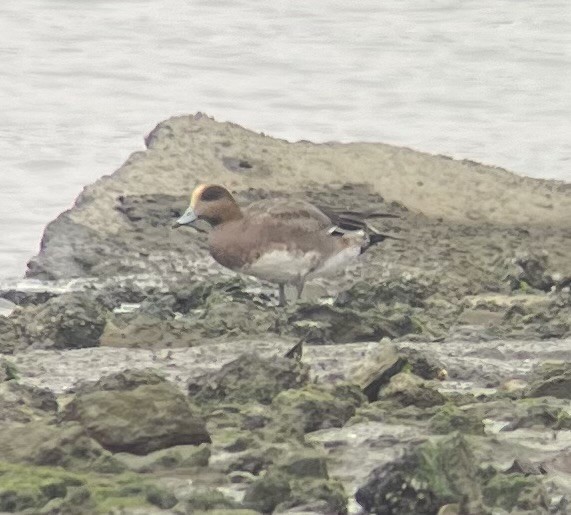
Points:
123	218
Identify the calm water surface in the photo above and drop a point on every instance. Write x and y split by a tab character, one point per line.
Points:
81	82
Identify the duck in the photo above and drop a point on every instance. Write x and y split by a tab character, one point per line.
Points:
287	241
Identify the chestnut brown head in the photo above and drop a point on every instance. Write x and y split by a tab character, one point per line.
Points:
211	203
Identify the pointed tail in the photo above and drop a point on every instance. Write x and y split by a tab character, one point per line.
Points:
377	237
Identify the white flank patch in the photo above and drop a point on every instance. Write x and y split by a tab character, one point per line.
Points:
337	262
281	266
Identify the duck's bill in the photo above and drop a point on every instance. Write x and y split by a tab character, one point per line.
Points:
188	218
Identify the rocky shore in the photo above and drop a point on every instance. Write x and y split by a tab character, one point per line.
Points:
434	377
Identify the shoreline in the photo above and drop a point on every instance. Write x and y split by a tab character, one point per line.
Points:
128	357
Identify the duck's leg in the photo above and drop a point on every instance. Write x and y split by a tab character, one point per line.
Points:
282	297
299	287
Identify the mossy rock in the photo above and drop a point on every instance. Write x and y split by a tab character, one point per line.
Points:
320	323
424	479
77	501
405	389
450	418
208	500
69	321
140	420
304	464
544	412
54	490
41	489
516	492
262	456
66	445
23	488
8	370
180	456
324	496
249	378
551	379
267	492
160	497
25	403
316	407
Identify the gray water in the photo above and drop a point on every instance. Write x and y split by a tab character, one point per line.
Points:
82	81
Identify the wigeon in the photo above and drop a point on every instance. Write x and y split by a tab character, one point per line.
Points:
284	241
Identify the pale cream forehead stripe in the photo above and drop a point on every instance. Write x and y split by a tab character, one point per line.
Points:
196	194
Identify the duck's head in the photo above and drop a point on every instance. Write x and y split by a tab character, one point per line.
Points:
211	203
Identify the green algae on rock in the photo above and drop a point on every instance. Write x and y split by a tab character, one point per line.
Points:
321	323
553	379
450	418
267	492
69	321
179	456
315	407
407	389
8	370
516	492
66	445
24	403
138	420
53	490
424	479
249	378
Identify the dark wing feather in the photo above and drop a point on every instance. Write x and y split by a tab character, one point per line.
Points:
353	220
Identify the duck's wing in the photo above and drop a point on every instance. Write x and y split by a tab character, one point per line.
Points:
303	215
347	220
295	213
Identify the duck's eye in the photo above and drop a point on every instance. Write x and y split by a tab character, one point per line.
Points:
213	193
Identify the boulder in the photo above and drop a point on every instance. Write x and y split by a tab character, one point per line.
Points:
381	365
516	493
8	370
24	403
450	418
137	420
321	323
377	370
315	496
424	479
121	224
25	297
541	413
124	380
9	336
68	321
28	488
551	379
306	464
315	407
249	378
529	270
407	389
65	445
267	492
180	456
